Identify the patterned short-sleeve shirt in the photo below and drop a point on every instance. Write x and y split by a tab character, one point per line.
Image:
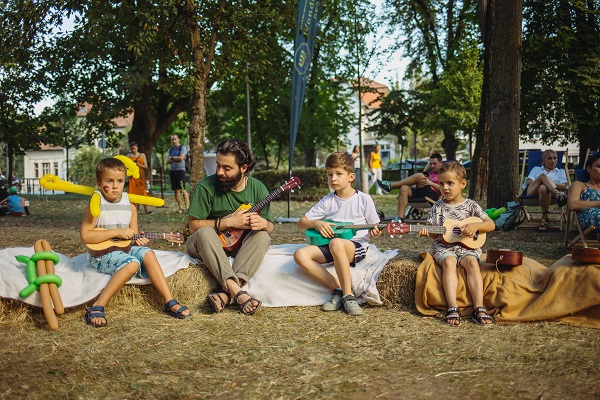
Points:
440	212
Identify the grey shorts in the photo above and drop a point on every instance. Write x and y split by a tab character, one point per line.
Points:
452	254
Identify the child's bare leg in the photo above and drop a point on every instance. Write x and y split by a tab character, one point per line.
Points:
178	199
309	258
450	283
157	277
450	280
116	282
474	282
343	251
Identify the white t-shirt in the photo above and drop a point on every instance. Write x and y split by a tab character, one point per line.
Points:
359	209
557	175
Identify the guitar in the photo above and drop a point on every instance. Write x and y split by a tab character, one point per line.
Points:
504	257
345	230
231	238
105	247
450	232
586	255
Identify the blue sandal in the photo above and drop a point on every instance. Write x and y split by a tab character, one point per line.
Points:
95	312
177	314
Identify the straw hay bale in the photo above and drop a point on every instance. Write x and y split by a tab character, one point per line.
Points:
192	285
397	281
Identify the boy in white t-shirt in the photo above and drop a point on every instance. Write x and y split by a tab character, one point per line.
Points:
347	205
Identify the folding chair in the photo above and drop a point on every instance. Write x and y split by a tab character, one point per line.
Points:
531	159
582	235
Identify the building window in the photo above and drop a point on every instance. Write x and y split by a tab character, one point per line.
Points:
36	167
45	168
56	168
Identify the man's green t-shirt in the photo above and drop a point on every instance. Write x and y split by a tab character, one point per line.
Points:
208	203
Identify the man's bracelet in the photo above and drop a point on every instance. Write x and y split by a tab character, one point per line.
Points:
217	223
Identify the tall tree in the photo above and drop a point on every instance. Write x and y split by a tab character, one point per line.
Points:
432	34
502	21
561	72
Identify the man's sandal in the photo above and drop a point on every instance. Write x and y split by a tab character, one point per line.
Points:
452	315
478	319
242	306
95	312
220	306
176	314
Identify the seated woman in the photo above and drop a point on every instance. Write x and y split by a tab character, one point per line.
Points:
547	181
584	197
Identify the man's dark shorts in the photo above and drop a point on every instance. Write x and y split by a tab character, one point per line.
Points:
177	179
360	253
426	191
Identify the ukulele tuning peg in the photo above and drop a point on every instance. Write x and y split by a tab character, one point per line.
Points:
392	236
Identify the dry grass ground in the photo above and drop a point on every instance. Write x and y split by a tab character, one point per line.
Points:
390	352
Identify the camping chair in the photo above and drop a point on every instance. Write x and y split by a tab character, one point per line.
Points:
533	158
583	236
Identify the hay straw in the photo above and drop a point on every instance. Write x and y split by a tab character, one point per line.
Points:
397	281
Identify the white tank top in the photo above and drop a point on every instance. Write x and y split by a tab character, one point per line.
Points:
114	215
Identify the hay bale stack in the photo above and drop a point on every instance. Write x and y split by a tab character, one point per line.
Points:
189	286
398	279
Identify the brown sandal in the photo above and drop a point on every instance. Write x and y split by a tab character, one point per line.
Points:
543	224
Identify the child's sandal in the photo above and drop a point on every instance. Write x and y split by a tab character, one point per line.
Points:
478	319
452	315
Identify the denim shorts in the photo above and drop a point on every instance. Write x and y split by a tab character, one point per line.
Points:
360	253
115	260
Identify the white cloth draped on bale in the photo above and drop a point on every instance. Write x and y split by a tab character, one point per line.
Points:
279	281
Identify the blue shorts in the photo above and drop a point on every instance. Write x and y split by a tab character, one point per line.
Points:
115	260
360	253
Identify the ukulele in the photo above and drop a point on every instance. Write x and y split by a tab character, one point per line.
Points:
586	255
450	232
231	238
105	247
504	257
345	230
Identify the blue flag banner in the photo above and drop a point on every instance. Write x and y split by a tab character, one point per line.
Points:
307	23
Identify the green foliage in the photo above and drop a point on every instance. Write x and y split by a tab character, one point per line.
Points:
313	182
560	81
83	167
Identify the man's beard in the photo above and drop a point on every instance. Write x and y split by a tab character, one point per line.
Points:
225	186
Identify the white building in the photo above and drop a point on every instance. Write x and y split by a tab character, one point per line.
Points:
367	102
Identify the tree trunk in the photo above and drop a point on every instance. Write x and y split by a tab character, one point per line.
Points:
450	144
505	29
479	161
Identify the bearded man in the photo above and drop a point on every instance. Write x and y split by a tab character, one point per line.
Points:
221	228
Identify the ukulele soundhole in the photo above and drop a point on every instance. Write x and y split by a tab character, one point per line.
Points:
456	231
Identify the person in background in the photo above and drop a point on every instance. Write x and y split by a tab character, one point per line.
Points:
176	158
138	185
375	164
356	157
425	185
14	202
547	181
584	197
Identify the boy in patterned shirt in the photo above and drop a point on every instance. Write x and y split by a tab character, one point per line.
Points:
452	180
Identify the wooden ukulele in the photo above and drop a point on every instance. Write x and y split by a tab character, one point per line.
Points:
231	238
346	230
586	255
105	247
451	232
504	257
